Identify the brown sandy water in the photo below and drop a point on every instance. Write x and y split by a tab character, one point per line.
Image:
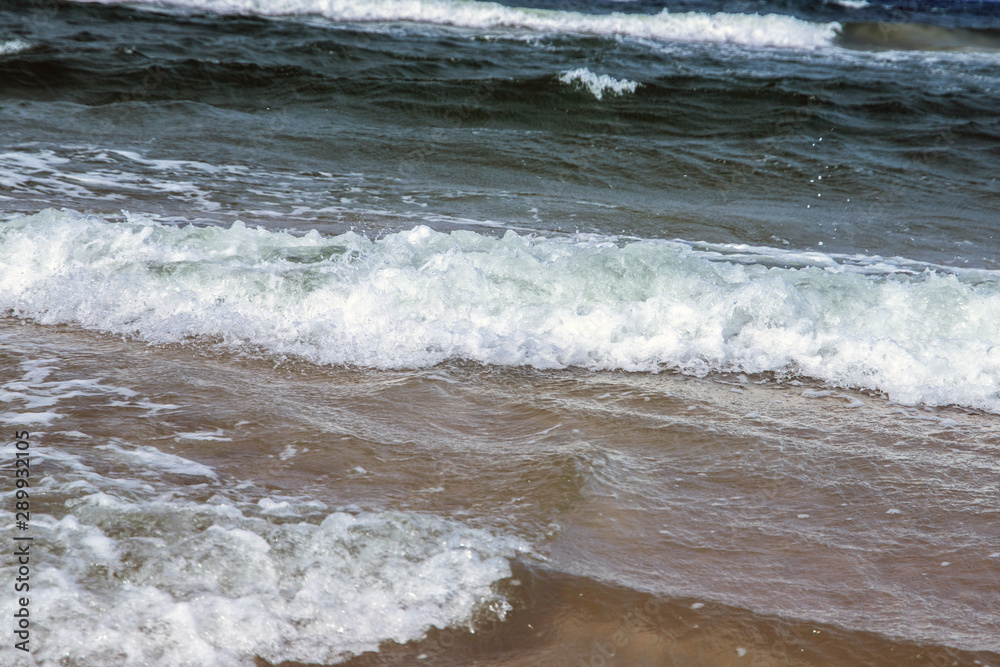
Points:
669	520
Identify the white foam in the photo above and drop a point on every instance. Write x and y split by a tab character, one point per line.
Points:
45	174
217	434
154	459
816	393
31	392
12	46
416	298
596	84
131	583
26	418
771	30
85	175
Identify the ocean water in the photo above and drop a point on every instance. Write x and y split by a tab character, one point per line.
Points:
447	332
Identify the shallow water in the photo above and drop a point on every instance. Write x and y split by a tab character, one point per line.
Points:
803	526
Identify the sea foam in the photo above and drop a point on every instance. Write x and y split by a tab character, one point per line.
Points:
131	582
420	297
12	46
598	84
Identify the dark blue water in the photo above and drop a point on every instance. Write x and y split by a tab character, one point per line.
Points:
880	140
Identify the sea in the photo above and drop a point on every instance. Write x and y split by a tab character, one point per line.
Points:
582	333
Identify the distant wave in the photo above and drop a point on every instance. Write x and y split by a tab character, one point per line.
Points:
419	297
598	85
874	35
851	4
771	30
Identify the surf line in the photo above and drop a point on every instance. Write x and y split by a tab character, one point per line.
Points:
22	548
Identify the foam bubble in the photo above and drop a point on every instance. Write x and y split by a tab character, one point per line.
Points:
416	298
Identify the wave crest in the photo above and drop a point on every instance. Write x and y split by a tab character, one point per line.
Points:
598	84
770	30
420	297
